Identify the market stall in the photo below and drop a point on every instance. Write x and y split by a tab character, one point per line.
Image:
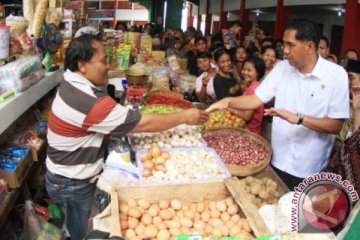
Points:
188	182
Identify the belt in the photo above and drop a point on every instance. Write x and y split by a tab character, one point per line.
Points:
90	179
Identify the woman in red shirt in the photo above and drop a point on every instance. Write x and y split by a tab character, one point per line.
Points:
252	71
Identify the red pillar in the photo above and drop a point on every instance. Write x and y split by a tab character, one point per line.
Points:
282	16
208	18
223	16
351	34
244	18
190	18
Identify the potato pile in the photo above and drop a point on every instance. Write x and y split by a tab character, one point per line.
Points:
261	191
166	219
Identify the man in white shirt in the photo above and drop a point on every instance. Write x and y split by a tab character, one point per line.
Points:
311	103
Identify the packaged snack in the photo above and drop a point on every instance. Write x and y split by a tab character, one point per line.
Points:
146	44
123	56
34	29
17	25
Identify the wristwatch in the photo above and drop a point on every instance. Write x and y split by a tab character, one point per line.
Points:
301	118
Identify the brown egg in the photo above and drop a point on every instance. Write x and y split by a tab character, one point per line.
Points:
189	214
153	211
124	207
235	218
133	222
233	209
225	216
215	214
160	226
139	229
150	231
163	235
134	212
176	204
221	206
217	232
157	219
186	222
143	203
229	201
130	233
200	207
146	219
165	214
132	203
175	231
163	204
205	216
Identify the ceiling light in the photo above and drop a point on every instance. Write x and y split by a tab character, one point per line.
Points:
339	13
257	14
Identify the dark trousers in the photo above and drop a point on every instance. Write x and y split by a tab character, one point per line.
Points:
290	180
75	198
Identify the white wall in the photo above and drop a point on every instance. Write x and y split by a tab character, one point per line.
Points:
202	6
194	10
128	15
214	6
312	2
230	5
260	4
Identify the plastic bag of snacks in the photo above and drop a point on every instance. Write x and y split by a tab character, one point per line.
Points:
34	29
29	9
173	63
53	15
17	25
123	56
160	82
35	225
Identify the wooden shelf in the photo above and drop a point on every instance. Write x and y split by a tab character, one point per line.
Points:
15	106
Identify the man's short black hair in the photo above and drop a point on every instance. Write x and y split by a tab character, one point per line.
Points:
198	39
263	49
323	37
235	23
259	65
203	55
80	49
306	30
268	39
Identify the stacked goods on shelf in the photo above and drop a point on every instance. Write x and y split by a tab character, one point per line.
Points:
180	165
17	76
206	209
15	162
243	152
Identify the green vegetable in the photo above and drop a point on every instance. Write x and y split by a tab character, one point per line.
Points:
160	109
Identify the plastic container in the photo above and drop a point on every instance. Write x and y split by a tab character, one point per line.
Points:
190	152
4	40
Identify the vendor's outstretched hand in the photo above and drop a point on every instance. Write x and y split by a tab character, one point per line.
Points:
196	116
222	104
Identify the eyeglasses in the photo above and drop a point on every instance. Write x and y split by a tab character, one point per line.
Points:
105	60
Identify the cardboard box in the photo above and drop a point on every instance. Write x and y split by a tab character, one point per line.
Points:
250	210
36	152
187	193
16	177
